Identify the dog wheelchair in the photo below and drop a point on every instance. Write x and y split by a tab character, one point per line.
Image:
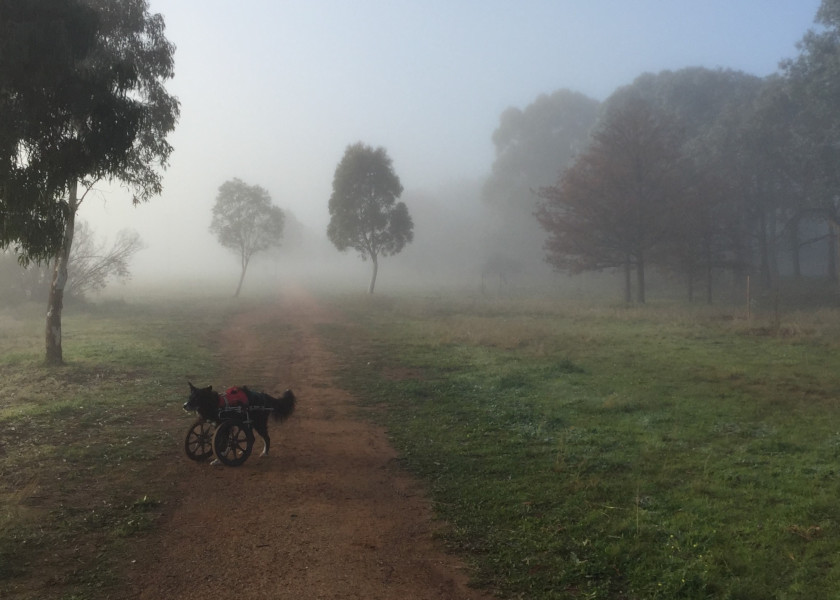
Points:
231	440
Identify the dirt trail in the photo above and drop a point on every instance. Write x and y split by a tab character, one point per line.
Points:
328	515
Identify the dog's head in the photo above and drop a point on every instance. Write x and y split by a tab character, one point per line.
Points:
201	400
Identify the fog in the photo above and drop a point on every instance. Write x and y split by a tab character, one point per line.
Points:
273	92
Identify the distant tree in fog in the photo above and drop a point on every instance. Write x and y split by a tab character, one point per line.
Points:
245	222
501	266
533	146
617	202
711	108
364	212
94	264
813	78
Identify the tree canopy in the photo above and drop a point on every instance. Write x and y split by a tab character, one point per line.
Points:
363	207
83	99
737	172
614	203
246	222
533	146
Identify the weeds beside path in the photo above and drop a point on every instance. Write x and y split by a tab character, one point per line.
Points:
328	515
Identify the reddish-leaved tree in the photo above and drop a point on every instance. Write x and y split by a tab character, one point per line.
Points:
617	201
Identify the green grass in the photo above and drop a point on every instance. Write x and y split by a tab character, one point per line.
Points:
614	453
88	449
572	452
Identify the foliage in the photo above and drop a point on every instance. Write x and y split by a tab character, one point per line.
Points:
42	94
754	171
716	225
364	212
94	265
813	81
83	96
533	146
816	70
584	451
246	222
617	201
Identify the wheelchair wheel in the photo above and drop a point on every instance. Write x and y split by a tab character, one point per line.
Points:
199	441
233	442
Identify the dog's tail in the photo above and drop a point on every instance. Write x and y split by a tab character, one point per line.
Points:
282	407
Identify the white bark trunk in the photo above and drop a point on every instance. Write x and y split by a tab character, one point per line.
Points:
55	304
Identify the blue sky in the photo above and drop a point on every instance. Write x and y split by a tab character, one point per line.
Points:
273	91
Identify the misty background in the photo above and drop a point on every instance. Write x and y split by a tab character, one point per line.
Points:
273	93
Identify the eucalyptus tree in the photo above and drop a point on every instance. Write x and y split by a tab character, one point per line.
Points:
82	92
363	207
245	222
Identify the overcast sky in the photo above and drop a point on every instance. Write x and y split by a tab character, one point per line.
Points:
272	91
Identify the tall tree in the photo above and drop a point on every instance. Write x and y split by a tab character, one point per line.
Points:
813	78
533	146
715	227
364	212
82	82
94	264
245	221
616	203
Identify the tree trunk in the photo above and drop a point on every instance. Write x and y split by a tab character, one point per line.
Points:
763	252
640	279
55	303
709	277
375	262
795	249
707	251
245	260
628	298
831	269
773	250
690	283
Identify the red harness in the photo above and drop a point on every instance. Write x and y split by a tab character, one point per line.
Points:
233	397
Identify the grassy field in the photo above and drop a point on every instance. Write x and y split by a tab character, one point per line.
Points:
88	450
601	452
572	451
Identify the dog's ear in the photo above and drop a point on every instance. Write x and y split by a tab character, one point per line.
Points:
192	387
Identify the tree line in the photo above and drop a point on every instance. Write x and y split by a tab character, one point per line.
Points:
706	175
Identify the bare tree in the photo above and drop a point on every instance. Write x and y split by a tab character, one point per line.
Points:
93	265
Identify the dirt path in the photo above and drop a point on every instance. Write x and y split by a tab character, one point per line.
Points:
328	515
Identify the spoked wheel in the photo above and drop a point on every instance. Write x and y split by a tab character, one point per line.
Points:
199	441
233	442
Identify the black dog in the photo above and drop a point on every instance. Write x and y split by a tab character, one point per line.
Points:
212	406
